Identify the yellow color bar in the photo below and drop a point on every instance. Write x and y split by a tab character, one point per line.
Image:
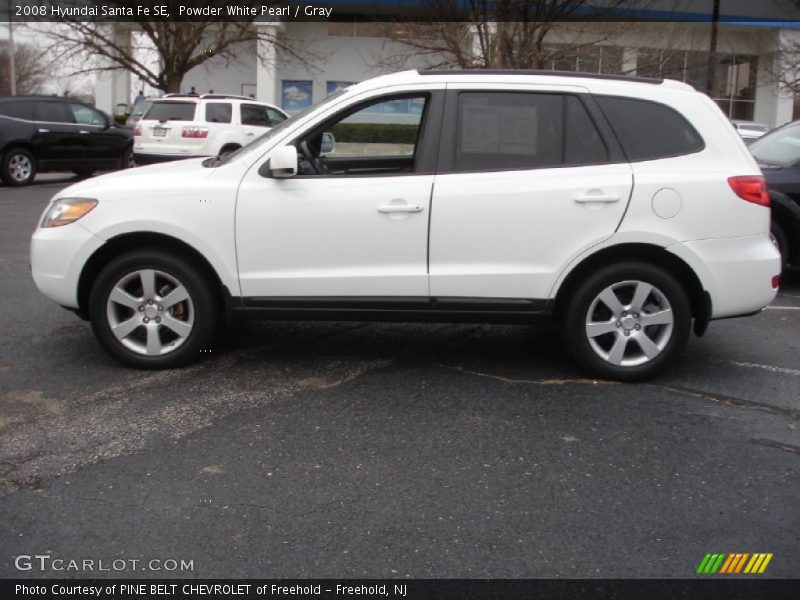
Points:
765	563
754	562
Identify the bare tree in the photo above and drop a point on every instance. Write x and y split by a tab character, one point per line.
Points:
507	34
32	69
180	45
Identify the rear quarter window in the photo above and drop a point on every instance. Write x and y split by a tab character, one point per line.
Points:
171	111
218	112
650	130
17	109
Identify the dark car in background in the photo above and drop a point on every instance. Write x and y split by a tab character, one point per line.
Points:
778	155
49	133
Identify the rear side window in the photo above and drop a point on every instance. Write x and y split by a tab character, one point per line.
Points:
52	112
520	130
649	130
218	112
17	109
171	111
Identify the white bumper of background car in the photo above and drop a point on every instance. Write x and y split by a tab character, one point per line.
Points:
58	254
736	272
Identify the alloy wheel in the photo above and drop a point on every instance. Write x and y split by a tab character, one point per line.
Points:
629	323
20	168
150	312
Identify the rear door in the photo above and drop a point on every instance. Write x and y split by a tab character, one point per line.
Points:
58	141
528	178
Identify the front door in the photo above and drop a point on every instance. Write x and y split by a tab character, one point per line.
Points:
352	223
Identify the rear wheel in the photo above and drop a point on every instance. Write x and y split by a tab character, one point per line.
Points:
127	161
18	167
627	321
152	310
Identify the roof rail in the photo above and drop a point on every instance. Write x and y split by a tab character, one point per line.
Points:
541	72
207	96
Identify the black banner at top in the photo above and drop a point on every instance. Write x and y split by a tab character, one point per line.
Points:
763	12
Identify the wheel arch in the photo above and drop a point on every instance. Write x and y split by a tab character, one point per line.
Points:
230	146
138	240
787	215
699	299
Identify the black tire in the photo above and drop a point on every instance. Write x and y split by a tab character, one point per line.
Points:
127	161
199	312
83	173
18	167
781	241
664	341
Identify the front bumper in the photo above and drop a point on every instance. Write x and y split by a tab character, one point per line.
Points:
736	272
58	255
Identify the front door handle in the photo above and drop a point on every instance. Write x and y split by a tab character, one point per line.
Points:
400	208
44	131
587	198
83	131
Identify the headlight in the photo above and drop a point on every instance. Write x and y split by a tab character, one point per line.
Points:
66	210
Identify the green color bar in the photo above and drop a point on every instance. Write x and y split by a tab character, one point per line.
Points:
701	568
717	564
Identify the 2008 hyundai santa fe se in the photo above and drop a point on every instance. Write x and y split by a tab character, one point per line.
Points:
628	209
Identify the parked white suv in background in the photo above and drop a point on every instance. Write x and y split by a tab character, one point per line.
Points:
184	126
628	209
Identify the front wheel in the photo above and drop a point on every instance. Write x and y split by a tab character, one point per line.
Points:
627	321
152	310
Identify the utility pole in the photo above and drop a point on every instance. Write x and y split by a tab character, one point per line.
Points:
712	50
12	67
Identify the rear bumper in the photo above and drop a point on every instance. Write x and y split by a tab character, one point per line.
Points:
736	272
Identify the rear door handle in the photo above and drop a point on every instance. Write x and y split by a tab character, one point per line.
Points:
44	131
83	131
400	208
587	198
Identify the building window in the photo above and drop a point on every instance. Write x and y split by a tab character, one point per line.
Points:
587	59
296	95
334	86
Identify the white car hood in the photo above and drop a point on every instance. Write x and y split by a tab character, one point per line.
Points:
162	176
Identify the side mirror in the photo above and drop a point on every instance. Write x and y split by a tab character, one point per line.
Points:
282	163
328	143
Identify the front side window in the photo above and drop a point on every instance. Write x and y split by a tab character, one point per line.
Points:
521	130
218	112
85	115
379	137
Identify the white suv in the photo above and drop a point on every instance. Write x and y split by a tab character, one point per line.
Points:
184	126
628	209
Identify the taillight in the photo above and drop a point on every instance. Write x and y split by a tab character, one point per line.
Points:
137	131
751	188
194	132
776	281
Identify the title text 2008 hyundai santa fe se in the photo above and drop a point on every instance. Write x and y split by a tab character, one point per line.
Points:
628	209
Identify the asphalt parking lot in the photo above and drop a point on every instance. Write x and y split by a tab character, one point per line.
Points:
390	450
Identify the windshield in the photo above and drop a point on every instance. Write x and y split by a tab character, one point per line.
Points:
781	147
274	131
